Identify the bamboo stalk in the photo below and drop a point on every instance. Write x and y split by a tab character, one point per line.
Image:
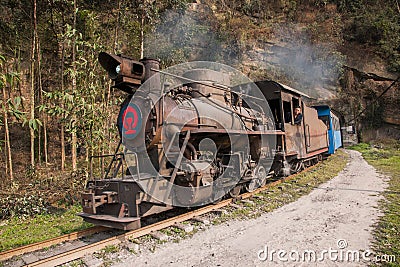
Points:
32	92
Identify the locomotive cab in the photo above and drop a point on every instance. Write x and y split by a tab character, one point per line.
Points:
301	143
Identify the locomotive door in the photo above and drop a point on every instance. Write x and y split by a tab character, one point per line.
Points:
294	133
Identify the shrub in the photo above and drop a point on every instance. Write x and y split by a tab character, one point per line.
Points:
22	206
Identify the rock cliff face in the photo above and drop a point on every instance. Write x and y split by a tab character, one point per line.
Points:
377	97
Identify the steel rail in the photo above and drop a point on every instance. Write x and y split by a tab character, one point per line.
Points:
82	251
5	255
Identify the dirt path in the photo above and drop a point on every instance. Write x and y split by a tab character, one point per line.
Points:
338	214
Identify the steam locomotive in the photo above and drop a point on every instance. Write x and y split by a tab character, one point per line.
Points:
195	133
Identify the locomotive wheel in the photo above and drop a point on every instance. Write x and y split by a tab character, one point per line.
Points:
234	192
260	179
262	176
252	185
297	166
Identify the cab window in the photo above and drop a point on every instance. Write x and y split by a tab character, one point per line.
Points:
287	112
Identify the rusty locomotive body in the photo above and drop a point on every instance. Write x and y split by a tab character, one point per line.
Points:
194	137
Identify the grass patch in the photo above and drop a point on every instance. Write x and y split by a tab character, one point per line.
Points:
17	232
385	156
290	190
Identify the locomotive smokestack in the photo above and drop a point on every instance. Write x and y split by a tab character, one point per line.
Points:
151	66
150	63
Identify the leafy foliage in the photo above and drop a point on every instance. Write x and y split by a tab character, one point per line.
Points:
11	107
376	23
22	206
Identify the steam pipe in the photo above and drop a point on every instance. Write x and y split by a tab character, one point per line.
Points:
193	150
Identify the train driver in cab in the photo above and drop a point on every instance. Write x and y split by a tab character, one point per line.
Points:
298	116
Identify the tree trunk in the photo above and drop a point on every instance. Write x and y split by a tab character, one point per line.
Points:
44	115
142	31
74	139
7	139
116	28
39	142
62	131
108	125
32	93
45	142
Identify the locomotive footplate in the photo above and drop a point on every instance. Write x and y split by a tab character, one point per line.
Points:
90	201
124	223
111	203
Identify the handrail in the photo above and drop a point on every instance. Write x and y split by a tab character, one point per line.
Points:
114	159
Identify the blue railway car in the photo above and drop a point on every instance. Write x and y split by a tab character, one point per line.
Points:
332	122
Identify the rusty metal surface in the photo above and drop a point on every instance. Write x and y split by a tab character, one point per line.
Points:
206	75
316	133
225	131
299	139
111	201
123	223
127	73
295	140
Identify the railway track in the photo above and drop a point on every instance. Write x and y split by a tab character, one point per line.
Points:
115	240
5	255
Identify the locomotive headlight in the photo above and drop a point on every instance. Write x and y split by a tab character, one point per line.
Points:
124	71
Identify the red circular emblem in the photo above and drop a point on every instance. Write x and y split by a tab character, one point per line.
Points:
131	121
